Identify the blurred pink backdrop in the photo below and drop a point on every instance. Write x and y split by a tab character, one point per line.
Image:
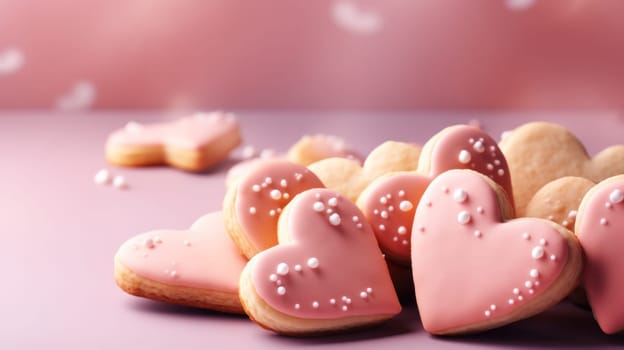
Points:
302	54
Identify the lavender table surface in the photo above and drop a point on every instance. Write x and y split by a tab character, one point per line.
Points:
61	231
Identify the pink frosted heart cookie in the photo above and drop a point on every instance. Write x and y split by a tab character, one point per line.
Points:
326	275
473	270
254	203
193	143
600	228
199	267
389	202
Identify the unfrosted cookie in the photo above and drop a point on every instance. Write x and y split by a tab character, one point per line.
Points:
389	202
192	143
254	203
312	148
326	275
559	200
473	269
199	267
540	152
350	178
600	228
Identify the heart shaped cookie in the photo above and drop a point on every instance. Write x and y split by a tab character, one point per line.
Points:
473	270
389	202
326	275
600	228
252	206
559	200
540	152
198	267
349	178
193	143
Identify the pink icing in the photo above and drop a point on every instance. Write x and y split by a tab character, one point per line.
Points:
600	228
455	144
389	205
256	210
201	257
332	266
470	267
191	133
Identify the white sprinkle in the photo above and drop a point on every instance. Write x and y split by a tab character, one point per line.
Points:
402	230
553	257
334	219
501	172
537	253
384	214
608	205
471	140
347	300
534	273
572	214
382	227
478	146
119	182
332	301
480	210
285	195
298	176
332	202
297	306
493	307
463	217
487	313
268	181
363	295
376	212
511	301
390	208
273	277
318	206
406	206
565	223
516	291
542	241
281	290
272	212
496	162
313	263
252	210
283	183
298	268
528	284
315	304
149	243
282	269
405	242
355	218
401	193
603	221
464	157
459	195
276	194
369	290
616	196
531	291
256	188
489	166
173	273
520	298
383	200
345	308
526	236
359	225
477	233
102	177
279	210
388	196
329	211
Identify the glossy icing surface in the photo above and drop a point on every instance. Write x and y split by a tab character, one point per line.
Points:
456	147
331	267
200	257
468	265
190	133
600	228
263	192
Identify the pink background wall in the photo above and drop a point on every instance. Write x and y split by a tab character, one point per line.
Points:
321	54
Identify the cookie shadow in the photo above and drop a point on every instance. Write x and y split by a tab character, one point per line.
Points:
563	326
156	307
